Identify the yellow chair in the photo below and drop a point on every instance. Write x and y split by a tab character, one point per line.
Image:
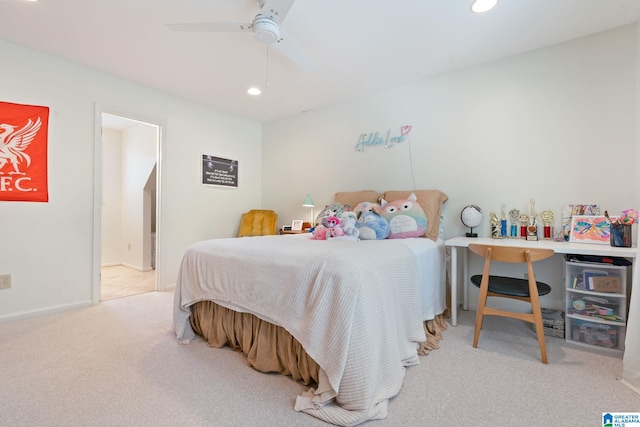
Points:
527	290
258	222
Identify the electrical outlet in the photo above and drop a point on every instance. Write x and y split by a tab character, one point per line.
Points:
5	281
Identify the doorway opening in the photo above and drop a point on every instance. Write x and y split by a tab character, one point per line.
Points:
127	188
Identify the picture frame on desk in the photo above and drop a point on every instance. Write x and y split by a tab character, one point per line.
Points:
569	211
296	225
590	229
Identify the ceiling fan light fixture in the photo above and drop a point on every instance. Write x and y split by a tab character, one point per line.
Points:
266	29
481	6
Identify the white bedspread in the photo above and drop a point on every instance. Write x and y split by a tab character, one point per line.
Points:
355	306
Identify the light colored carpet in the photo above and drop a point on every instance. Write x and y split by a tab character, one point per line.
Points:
118	364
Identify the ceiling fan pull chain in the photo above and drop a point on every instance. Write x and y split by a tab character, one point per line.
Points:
267	67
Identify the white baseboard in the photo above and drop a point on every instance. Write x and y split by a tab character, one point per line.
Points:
631	386
110	264
124	264
45	311
168	288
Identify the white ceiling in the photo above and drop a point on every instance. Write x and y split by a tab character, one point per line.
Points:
358	46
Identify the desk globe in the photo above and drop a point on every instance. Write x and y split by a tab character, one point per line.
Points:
471	216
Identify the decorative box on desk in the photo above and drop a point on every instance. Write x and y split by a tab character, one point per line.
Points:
596	303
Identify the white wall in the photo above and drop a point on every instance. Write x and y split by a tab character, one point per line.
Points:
139	153
541	125
557	125
636	176
128	164
128	160
111	197
47	247
631	361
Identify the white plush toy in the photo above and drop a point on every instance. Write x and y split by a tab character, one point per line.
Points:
348	221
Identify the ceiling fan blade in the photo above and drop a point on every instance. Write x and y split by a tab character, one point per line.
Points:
292	50
211	26
275	9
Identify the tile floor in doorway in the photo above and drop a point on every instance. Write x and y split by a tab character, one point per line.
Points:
119	281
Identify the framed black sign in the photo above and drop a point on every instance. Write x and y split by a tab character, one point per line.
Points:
219	171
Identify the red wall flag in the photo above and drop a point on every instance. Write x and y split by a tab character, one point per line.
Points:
23	152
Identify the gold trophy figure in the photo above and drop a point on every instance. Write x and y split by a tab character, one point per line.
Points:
532	227
524	220
547	219
495	226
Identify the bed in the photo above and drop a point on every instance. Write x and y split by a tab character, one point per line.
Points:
346	317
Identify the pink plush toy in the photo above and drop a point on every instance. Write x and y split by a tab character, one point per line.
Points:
329	230
320	233
406	218
333	227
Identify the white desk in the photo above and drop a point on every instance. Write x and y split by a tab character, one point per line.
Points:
459	246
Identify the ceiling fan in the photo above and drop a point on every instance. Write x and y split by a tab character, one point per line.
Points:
265	27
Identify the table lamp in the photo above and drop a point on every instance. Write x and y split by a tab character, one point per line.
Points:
308	203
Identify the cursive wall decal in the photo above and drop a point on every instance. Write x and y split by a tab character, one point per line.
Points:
382	139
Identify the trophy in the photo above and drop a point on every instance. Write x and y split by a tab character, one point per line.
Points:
524	220
532	227
547	219
495	226
514	213
503	220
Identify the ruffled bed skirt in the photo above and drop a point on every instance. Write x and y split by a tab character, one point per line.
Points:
270	348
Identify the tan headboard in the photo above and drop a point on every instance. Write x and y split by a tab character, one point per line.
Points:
352	198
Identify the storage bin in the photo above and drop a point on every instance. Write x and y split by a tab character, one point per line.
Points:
596	334
598	307
596	303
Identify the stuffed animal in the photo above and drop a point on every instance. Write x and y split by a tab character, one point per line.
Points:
406	218
348	222
372	226
319	232
333	227
329	230
334	209
367	206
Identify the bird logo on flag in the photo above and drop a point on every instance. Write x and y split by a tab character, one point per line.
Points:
13	144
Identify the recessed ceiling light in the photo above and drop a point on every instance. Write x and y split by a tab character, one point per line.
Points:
254	91
479	6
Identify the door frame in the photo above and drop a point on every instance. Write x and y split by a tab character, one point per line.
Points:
97	190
